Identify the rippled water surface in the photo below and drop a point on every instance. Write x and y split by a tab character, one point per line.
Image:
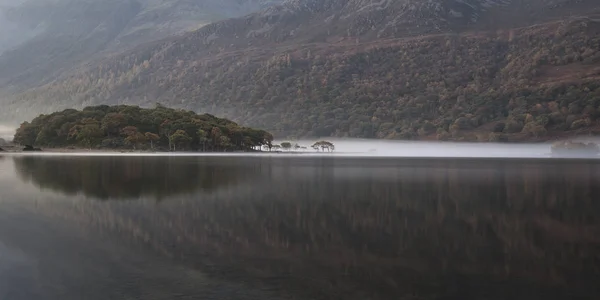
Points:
298	227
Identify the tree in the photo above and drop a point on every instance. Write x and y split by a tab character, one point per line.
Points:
90	134
180	139
152	137
166	129
202	138
323	145
268	140
286	146
224	142
215	134
112	122
26	134
133	136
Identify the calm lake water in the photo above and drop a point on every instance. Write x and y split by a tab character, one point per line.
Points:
102	227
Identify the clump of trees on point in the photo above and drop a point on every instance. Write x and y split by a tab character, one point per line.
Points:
132	127
323	145
289	146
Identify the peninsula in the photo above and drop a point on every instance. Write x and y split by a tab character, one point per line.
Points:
124	127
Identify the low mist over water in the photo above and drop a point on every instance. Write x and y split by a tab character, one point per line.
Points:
370	148
386	148
433	149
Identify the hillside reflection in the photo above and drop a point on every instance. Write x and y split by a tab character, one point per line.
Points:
122	178
378	229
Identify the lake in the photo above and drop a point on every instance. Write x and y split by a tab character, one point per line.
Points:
298	227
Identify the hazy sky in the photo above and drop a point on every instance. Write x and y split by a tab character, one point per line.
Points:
6	132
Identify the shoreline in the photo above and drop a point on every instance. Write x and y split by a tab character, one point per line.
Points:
13	149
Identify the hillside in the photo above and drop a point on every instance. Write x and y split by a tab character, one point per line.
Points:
388	69
41	39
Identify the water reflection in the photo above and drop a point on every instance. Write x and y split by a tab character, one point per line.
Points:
119	178
326	228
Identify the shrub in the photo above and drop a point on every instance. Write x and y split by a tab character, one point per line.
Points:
513	126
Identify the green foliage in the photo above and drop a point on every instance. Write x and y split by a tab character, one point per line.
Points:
180	139
152	137
513	126
286	145
89	134
138	128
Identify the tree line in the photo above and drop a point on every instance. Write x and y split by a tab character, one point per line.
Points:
133	127
288	146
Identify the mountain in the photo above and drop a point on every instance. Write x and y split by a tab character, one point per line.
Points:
446	69
39	39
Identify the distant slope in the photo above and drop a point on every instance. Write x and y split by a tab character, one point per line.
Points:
41	39
384	69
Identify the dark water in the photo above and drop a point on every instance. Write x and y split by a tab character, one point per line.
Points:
298	228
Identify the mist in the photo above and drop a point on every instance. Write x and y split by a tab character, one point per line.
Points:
11	33
365	148
6	132
386	148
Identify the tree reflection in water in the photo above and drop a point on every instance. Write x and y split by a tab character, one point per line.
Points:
362	229
119	178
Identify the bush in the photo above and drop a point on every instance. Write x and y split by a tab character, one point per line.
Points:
570	119
497	138
443	135
427	129
513	126
580	124
535	130
542	120
499	127
455	130
463	123
574	108
406	135
556	118
528	118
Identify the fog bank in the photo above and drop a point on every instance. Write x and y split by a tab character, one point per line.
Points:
365	148
361	147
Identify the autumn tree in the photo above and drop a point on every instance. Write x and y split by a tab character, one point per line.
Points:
180	139
152	137
133	137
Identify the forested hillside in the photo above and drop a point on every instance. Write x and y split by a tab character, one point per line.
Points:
454	78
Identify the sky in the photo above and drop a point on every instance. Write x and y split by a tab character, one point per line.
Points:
6	132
